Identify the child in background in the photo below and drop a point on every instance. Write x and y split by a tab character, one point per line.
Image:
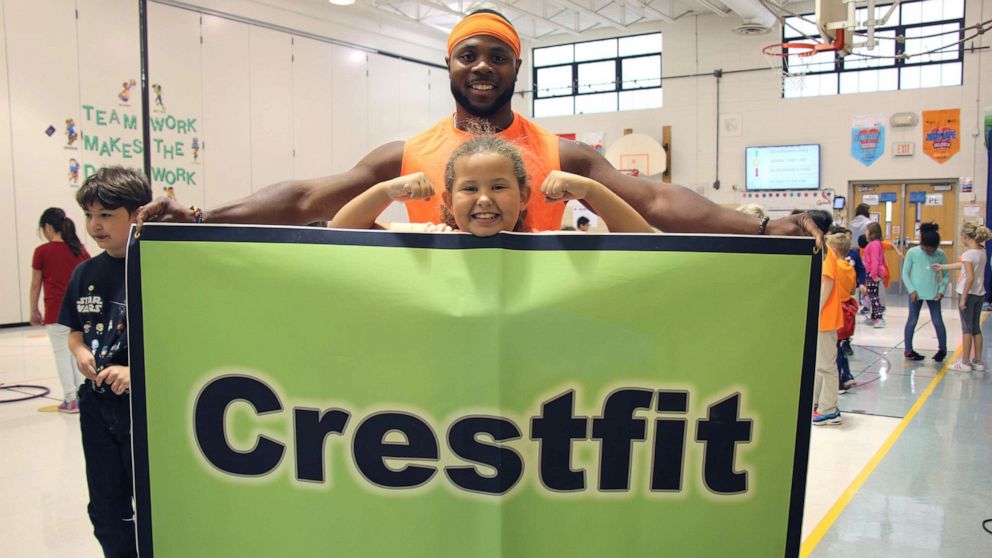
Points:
850	306
925	284
874	258
95	309
971	287
486	191
844	283
53	263
833	280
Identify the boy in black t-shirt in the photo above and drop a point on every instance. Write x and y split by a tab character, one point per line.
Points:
95	309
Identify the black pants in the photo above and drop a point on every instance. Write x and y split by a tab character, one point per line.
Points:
105	423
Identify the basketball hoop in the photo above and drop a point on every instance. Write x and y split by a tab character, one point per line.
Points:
805	49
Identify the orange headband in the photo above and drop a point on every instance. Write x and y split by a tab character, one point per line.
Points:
484	24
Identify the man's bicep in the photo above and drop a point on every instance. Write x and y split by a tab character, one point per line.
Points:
325	196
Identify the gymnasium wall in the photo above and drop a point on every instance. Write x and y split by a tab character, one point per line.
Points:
263	105
699	45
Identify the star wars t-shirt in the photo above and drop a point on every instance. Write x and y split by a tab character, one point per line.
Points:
95	304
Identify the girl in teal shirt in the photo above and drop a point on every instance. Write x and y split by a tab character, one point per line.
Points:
925	283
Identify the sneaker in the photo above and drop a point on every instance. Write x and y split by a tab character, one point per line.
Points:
868	320
864	310
960	366
913	355
841	391
829	419
978	366
879	323
939	355
850	384
71	407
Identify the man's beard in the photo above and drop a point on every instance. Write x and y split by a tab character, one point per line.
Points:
483	112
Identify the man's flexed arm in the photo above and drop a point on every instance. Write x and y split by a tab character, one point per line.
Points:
673	208
292	202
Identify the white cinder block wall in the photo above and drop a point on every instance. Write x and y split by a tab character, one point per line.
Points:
271	105
267	105
699	45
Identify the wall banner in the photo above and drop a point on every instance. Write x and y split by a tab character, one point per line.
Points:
868	138
941	133
313	392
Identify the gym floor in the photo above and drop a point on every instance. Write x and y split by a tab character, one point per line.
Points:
908	474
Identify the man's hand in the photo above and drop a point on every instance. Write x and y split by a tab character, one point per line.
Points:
939	297
413	186
116	376
163	210
86	363
915	297
796	225
36	319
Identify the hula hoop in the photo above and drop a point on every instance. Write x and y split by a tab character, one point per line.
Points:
42	389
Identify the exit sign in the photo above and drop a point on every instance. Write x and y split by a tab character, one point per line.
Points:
902	148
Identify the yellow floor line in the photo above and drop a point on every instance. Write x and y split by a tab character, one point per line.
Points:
828	520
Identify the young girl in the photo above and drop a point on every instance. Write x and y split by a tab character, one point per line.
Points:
874	258
53	263
925	284
971	287
485	192
836	282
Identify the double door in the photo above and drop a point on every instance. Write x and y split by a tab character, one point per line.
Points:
900	208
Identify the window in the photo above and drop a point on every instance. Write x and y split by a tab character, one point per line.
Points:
608	75
928	26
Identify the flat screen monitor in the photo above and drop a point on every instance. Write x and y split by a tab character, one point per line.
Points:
840	202
783	167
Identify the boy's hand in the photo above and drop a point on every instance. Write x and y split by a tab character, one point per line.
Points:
914	296
938	297
116	376
560	185
86	363
963	303
36	318
414	186
937	267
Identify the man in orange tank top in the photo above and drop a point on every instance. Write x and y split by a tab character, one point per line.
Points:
483	61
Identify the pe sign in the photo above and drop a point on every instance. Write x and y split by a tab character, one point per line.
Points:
310	392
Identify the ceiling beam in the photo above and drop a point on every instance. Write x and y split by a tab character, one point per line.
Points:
644	10
559	26
575	6
713	8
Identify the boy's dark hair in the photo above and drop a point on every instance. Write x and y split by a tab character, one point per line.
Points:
929	236
114	187
862	209
837	229
862	241
822	219
582	221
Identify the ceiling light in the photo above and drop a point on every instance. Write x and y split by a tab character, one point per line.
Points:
342	2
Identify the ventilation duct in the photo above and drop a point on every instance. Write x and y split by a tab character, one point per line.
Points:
757	20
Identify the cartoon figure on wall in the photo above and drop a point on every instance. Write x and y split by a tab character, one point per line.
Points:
70	131
169	191
125	94
195	146
159	105
73	171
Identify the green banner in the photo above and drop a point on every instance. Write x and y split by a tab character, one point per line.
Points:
311	392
